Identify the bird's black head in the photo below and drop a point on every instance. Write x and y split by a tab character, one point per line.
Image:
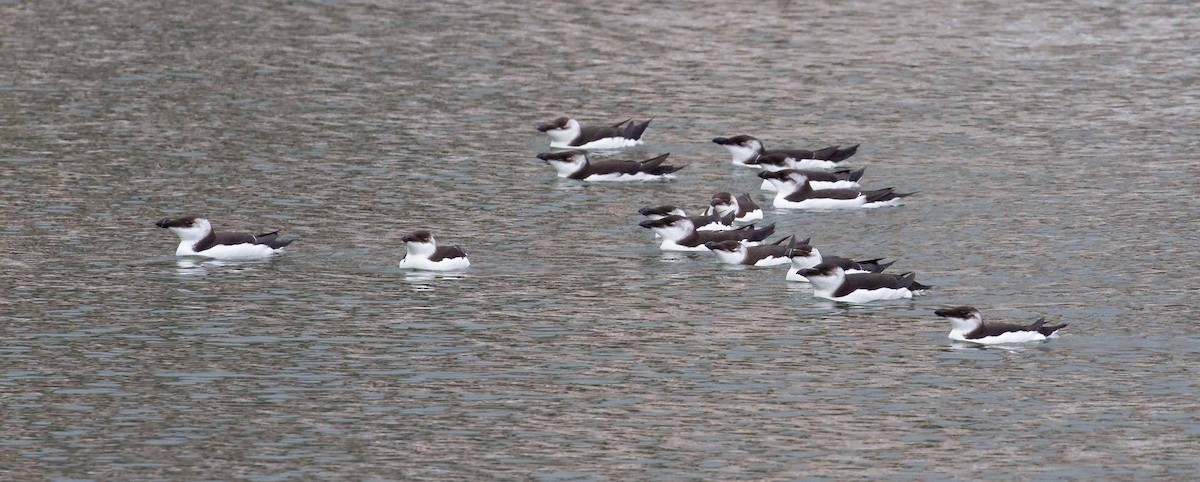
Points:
823	269
721	199
774	160
657	211
421	236
559	123
727	245
182	222
956	312
799	250
738	140
561	156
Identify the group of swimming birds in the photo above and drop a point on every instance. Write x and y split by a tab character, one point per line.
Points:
801	179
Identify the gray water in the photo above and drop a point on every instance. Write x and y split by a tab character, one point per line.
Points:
1053	146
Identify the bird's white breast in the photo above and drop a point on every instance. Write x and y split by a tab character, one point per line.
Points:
228	251
767	186
741	154
414	262
813	164
867	296
1009	337
881	204
605	143
772	261
731	258
617	177
751	216
669	245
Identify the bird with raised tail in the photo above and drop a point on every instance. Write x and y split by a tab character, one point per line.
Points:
804	256
745	149
795	192
575	165
734	252
197	238
424	253
711	221
680	234
838	179
566	132
966	324
831	282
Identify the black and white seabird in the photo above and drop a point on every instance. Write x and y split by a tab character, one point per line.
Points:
197	238
966	324
743	207
575	165
566	132
806	256
745	149
425	254
734	252
830	281
712	221
839	179
680	234
795	192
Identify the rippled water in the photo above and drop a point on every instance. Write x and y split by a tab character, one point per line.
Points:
1053	146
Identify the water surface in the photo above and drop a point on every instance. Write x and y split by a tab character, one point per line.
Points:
1052	145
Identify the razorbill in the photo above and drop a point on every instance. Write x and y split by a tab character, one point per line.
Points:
830	281
711	221
566	132
966	324
734	252
839	179
743	208
795	192
425	254
806	256
197	238
575	165
680	234
745	148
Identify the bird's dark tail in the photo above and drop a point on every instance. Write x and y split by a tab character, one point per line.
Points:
886	194
761	234
1049	330
915	286
843	154
654	161
1040	327
660	170
634	130
880	195
874	265
272	239
856	175
826	153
